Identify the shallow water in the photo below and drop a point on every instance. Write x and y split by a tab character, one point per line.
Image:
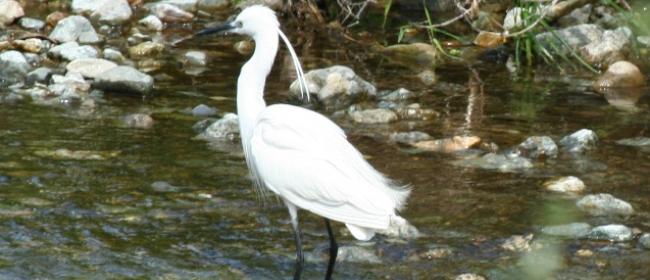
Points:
164	205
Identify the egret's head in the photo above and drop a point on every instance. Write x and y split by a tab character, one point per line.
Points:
251	21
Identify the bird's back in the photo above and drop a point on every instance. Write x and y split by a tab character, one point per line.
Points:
306	159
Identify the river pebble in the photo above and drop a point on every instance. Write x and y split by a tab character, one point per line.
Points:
604	204
124	79
145	49
72	50
614	232
112	12
572	230
579	141
518	243
399	94
565	184
335	84
70	87
142	121
90	67
13	66
538	146
448	145
203	110
608	49
169	13
409	137
357	254
152	23
373	116
415	112
622	74
644	240
75	28
10	10
31	23
39	75
113	55
226	128
496	162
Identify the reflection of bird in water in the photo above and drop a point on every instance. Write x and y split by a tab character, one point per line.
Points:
300	155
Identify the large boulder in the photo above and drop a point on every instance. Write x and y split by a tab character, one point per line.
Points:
124	79
75	28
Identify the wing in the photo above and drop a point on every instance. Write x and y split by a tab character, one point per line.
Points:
305	158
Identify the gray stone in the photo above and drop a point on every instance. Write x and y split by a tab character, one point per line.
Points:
142	121
87	6
75	28
72	51
514	19
518	243
575	37
644	240
336	84
565	184
186	5
357	254
635	141
70	87
39	75
579	141
415	112
409	137
203	110
572	230
31	23
373	116
13	67
196	58
226	128
169	13
10	10
124	79
211	5
616	233
576	17
496	162
112	12
90	67
604	204
400	94
538	146
611	47
152	23
113	55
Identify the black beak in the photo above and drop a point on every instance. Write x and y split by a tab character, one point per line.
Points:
221	28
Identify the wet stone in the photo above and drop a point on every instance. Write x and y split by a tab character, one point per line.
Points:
75	28
565	184
90	67
373	116
448	145
644	240
142	121
213	4
400	94
538	146
203	110
244	47
518	243
70	87
169	13
152	23
31	23
72	50
614	232
496	162
409	137
124	79
415	112
32	45
576	17
186	5
579	141
635	142
113	55
336	81
357	254
575	37
226	128
604	205
572	230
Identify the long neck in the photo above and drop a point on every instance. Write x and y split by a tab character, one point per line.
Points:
250	85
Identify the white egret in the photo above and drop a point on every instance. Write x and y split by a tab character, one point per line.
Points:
300	155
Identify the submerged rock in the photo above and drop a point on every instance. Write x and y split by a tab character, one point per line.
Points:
604	204
142	121
579	141
75	28
617	233
72	50
90	67
415	112
65	154
635	142
226	128
203	110
518	243
572	230
10	10
70	87
538	146
565	184
621	74
409	137
124	79
336	84
448	145
497	162
357	254
399	94
13	67
373	116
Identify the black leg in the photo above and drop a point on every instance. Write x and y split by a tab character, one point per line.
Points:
334	249
300	260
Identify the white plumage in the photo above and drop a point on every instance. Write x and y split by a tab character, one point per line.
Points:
300	155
